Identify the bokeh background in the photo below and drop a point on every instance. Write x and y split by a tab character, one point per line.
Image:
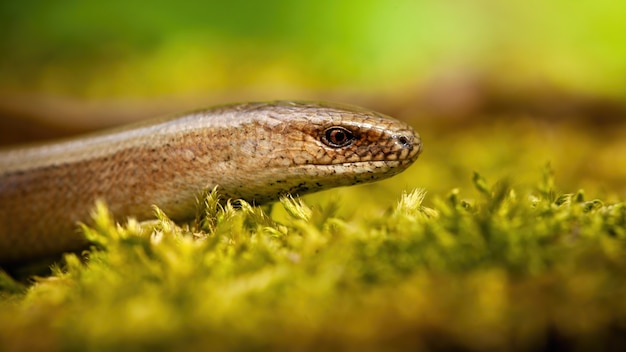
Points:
502	88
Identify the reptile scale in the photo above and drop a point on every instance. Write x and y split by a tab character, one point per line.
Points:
252	151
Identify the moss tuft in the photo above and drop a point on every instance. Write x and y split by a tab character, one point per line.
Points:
512	269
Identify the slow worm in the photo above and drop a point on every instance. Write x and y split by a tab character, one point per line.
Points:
251	151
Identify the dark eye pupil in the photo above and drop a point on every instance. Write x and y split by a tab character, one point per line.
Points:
337	137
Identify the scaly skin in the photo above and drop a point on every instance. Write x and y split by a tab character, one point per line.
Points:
252	151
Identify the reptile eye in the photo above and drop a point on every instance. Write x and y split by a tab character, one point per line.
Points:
337	137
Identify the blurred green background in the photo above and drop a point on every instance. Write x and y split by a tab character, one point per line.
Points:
139	48
498	87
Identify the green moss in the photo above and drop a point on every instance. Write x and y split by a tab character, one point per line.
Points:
511	269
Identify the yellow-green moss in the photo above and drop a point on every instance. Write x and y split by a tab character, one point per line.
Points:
511	269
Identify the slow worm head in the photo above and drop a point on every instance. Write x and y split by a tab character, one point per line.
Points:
252	151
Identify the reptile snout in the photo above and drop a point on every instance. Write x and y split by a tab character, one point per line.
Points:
408	144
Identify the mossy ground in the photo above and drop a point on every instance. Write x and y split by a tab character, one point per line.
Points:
472	264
